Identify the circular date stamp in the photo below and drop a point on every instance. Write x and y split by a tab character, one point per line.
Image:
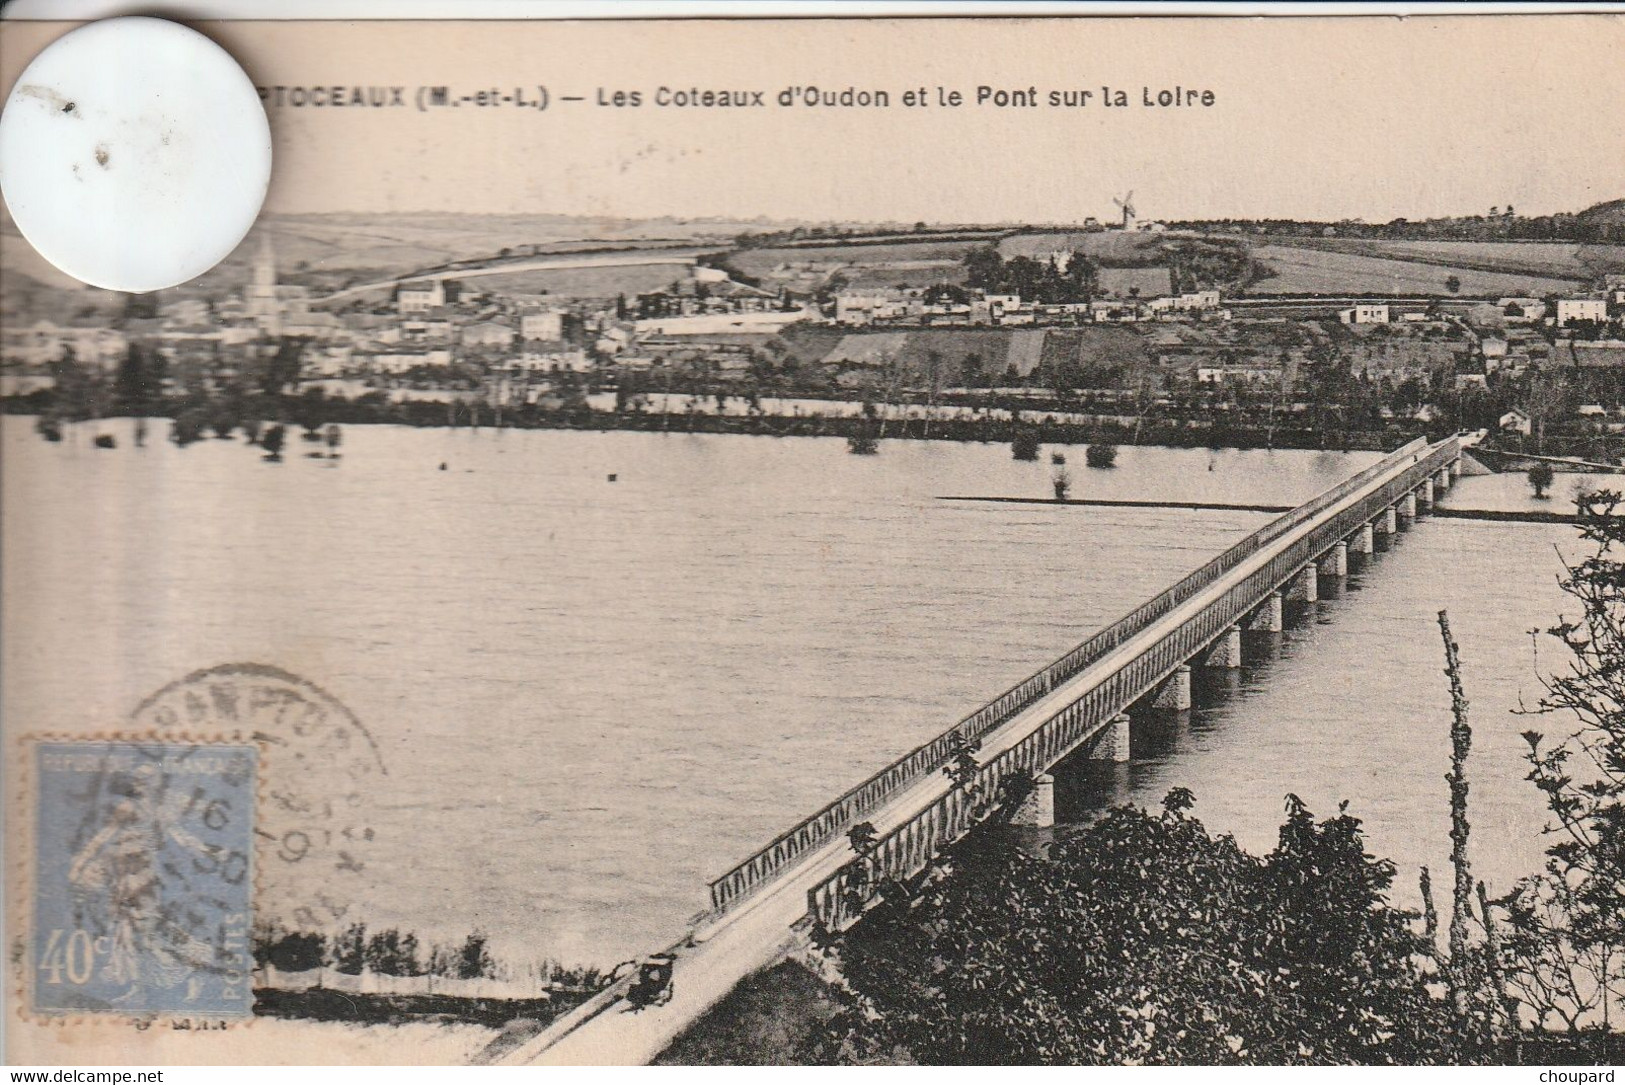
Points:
320	771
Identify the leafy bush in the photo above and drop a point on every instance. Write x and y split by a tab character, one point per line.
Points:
350	950
1144	939
1541	477
862	444
296	951
1101	455
473	960
392	953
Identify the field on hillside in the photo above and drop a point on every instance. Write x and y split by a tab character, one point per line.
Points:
904	263
1317	271
589	282
410	241
1539	258
1111	245
1098	352
991	351
916	275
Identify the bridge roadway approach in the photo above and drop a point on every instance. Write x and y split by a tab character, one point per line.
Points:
762	909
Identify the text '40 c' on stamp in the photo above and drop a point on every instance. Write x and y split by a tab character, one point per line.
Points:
143	878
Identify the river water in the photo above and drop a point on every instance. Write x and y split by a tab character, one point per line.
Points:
591	696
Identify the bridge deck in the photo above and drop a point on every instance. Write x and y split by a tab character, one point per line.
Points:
921	815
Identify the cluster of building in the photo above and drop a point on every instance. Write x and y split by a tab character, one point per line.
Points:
431	333
423	335
442	334
1513	336
1126	296
1566	313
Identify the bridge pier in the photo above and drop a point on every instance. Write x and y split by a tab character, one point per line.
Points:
1335	562
1390	522
1364	541
1113	743
1407	511
1455	470
1306	584
1221	682
1037	810
1175	691
1266	617
1443	480
1225	652
1425	495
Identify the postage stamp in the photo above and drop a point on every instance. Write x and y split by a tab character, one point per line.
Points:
143	865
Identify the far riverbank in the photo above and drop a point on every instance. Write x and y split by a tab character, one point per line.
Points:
1052	425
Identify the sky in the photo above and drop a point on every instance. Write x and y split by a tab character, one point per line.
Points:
1317	118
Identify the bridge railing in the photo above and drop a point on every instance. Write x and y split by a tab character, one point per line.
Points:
762	867
906	850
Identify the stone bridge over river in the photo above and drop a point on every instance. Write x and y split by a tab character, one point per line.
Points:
1079	705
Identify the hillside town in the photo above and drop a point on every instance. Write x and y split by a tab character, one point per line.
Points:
1171	338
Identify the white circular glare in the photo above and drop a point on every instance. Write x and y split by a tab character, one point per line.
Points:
134	154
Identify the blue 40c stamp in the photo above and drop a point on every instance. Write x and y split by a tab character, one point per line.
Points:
144	877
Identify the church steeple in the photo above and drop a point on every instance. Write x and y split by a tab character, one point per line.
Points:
265	266
262	304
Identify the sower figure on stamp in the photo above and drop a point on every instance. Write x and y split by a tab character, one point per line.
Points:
119	864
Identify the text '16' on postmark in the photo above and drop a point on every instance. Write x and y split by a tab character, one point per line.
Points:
143	878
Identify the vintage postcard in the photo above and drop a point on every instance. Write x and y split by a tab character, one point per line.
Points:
1065	540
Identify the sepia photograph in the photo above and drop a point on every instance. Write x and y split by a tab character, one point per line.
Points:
935	541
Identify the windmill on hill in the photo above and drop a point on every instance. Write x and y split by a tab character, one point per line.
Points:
1127	204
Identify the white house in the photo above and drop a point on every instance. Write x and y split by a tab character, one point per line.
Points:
545	324
487	333
1365	314
1515	421
858	309
424	329
1113	312
419	297
552	361
1571	309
